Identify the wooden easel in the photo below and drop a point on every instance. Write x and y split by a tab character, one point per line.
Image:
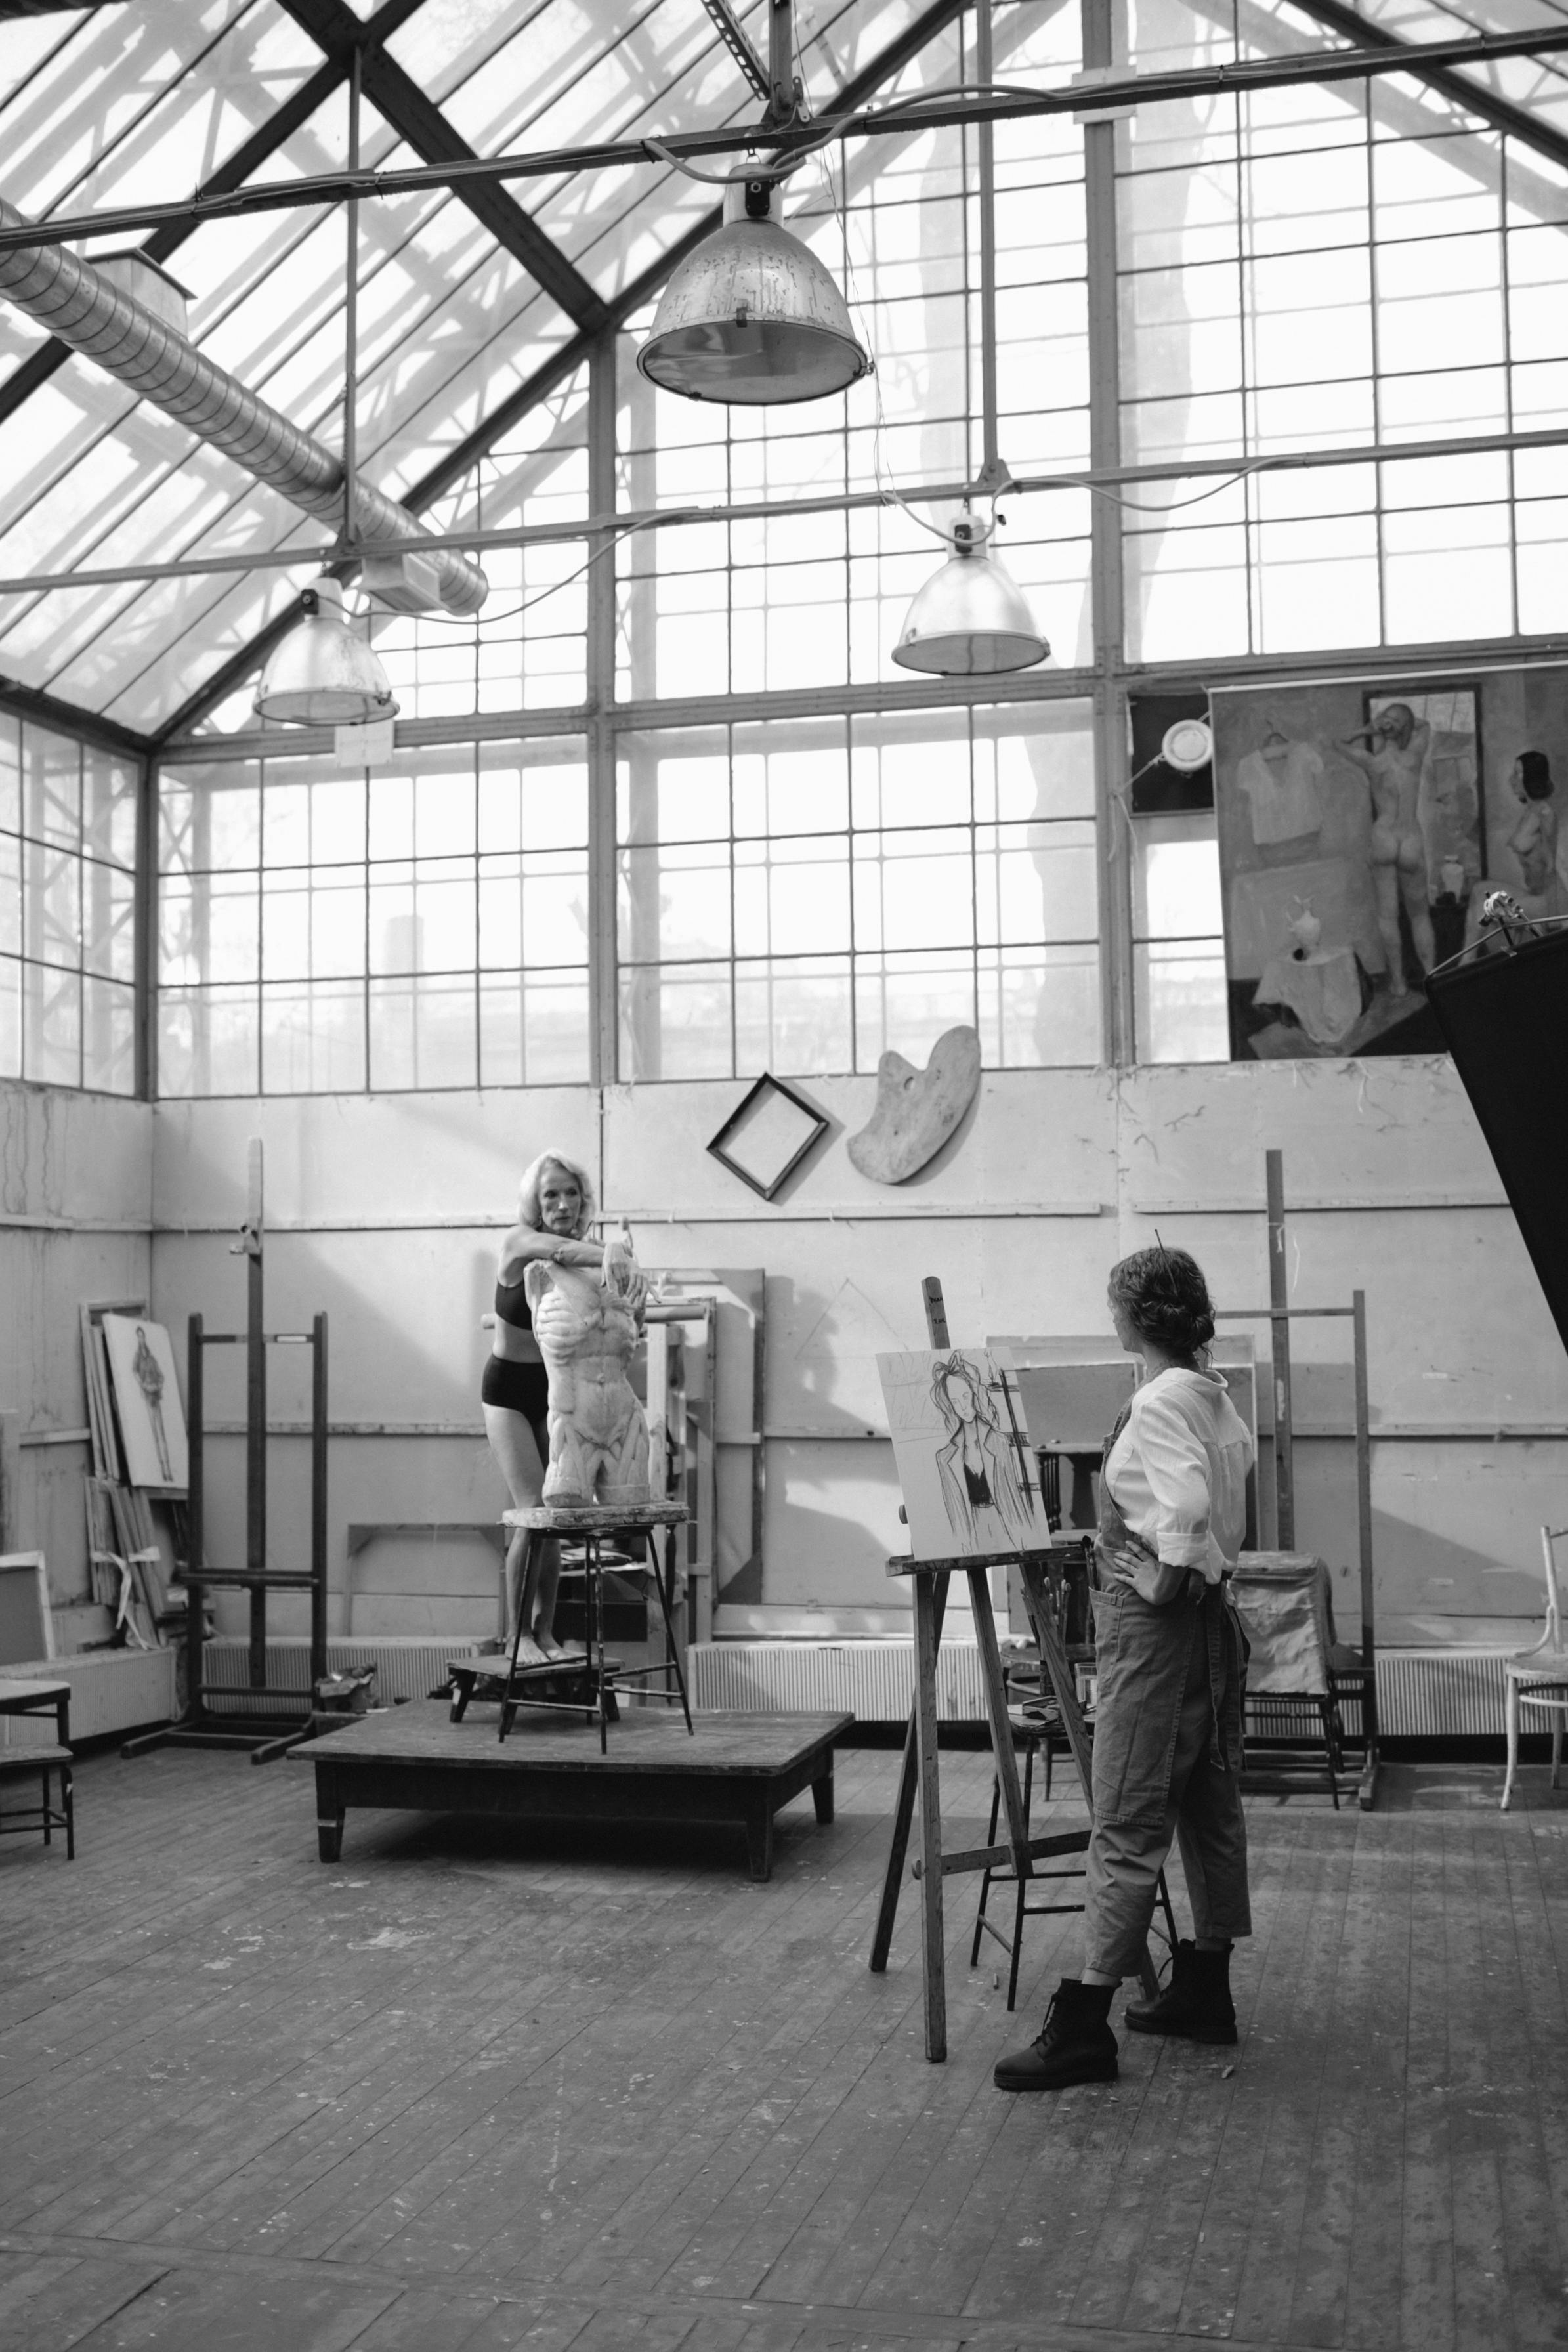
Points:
920	1759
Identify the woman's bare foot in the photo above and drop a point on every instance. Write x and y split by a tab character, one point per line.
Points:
529	1653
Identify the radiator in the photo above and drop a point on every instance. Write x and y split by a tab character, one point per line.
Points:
1443	1694
407	1668
871	1680
1421	1694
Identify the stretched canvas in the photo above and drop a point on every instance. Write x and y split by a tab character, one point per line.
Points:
147	1403
962	1453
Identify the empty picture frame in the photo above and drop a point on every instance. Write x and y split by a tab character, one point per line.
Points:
767	1135
26	1628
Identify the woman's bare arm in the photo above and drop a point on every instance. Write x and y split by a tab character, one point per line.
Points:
525	1242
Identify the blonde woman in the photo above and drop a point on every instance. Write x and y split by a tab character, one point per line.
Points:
555	1208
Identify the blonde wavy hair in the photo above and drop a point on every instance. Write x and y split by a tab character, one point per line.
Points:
529	1209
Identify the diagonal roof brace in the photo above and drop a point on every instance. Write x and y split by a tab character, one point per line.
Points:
1364	32
99	319
399	100
728	25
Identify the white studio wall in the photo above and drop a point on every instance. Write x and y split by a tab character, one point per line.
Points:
386	1212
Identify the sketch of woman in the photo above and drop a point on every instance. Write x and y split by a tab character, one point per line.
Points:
149	1374
977	1467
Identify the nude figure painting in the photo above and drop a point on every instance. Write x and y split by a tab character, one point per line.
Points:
1351	829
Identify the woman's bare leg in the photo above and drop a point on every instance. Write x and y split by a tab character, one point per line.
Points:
515	1449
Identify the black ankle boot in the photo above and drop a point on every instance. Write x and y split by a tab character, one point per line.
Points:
1197	2002
1075	2043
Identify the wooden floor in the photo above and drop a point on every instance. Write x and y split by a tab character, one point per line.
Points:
484	2085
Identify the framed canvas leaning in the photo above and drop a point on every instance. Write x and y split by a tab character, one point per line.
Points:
147	1403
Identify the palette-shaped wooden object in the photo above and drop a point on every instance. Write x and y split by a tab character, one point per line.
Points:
917	1111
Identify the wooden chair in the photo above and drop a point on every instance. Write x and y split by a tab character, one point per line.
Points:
1539	1677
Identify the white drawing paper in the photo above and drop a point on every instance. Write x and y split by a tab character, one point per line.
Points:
962	1453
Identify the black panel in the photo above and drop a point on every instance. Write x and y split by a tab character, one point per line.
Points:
1162	789
1505	1020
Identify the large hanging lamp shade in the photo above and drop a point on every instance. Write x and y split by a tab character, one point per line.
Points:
323	673
752	318
971	618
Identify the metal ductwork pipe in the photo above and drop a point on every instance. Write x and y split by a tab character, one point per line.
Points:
84	310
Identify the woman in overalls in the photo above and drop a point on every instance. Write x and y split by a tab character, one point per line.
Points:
1169	1664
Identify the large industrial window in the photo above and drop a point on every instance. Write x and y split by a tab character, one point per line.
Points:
424	927
67	955
1333	266
802	894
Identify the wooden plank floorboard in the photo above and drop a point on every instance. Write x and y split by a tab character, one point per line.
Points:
486	2086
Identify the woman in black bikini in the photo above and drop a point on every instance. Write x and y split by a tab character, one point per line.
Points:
555	1206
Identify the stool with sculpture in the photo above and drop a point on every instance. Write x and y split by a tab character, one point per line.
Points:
588	1322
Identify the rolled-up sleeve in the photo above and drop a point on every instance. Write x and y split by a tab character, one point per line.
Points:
1176	1467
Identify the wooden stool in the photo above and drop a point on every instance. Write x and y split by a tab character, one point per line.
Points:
1031	1736
593	1523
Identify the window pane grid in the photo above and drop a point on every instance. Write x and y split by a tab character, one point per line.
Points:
805	897
421	928
67	911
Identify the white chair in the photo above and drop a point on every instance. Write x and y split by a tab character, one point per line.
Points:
1539	1677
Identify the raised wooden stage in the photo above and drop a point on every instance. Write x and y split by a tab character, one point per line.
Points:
738	1768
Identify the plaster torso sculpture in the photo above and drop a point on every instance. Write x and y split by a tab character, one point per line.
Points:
917	1111
587	1323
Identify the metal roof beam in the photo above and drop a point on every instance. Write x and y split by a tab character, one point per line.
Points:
726	24
399	101
1500	112
264	141
940	109
70	718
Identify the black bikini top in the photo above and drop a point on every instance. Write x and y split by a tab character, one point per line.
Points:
512	1307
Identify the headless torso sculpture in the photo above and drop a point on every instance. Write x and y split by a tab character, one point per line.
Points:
587	1322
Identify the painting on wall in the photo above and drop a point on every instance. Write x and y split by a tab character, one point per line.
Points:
1360	826
962	1453
147	1403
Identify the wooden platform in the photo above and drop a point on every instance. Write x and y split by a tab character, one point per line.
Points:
738	1768
575	2087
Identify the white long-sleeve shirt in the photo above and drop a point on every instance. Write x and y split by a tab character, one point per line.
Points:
1178	1472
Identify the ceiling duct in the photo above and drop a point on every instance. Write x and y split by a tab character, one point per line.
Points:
83	308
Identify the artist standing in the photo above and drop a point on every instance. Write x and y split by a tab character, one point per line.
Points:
1169	1662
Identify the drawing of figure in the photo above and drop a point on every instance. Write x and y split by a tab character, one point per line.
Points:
1395	756
150	1381
978	1466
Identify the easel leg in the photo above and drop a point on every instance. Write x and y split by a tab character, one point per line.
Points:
508	1712
932	1949
674	1655
903	1810
1001	1730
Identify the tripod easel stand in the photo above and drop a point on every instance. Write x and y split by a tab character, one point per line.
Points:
921	1773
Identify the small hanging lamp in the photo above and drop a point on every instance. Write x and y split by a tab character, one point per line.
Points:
752	318
323	673
971	619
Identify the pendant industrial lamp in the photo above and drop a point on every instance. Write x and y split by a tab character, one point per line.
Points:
324	674
752	318
972	619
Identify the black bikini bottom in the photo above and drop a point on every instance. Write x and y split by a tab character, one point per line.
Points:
520	1387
